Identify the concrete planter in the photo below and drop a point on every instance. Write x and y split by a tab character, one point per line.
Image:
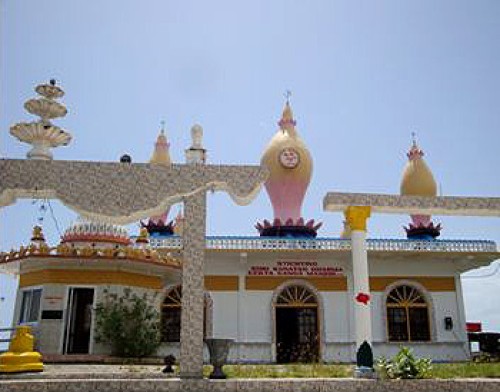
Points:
219	351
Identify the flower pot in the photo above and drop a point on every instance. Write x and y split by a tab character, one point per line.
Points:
219	351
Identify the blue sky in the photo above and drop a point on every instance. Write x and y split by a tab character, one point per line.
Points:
364	75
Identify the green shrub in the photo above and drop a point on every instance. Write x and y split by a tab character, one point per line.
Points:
129	324
404	365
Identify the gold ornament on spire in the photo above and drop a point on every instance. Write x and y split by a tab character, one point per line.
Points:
143	237
37	234
287	123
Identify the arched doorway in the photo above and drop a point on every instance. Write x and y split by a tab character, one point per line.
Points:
297	326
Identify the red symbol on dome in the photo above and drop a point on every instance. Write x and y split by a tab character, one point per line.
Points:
363	298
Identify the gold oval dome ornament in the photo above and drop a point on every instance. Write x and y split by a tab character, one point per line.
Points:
289	158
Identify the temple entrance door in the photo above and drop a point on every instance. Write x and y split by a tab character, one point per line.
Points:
78	321
297	332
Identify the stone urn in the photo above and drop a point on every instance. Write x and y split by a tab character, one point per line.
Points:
219	351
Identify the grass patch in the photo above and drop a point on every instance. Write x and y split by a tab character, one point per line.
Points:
439	370
466	370
286	371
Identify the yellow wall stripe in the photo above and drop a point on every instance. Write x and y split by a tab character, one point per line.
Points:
221	283
272	282
70	276
379	283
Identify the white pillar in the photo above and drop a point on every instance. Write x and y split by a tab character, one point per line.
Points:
241	330
356	217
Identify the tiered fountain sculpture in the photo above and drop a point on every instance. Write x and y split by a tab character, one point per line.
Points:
42	134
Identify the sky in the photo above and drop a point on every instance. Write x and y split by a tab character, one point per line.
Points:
364	75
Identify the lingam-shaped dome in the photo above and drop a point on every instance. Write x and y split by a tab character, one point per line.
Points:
161	154
86	232
418	181
417	178
290	166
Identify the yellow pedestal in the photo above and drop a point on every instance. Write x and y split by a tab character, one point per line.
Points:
21	357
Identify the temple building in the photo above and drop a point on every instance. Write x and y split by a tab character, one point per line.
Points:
284	295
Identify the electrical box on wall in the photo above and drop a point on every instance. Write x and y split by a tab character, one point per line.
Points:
448	323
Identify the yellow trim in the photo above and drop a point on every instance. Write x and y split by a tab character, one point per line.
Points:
272	282
380	283
70	276
357	216
221	283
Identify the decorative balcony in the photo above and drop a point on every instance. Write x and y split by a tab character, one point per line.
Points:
328	244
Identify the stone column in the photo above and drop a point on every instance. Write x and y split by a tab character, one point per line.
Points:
357	217
191	360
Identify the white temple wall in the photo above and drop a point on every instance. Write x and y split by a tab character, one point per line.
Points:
379	324
336	320
225	314
53	298
48	333
247	315
410	265
445	305
257	309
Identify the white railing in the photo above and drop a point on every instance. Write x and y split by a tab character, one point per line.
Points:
326	244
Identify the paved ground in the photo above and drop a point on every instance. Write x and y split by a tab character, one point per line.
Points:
93	371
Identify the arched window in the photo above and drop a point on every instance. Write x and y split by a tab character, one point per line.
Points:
171	316
407	315
296	296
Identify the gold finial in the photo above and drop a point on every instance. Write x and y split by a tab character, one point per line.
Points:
162	125
37	234
414	138
143	237
287	95
179	224
415	152
287	122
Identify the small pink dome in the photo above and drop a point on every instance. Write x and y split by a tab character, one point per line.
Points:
96	232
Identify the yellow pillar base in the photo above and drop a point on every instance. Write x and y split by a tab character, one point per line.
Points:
21	357
25	362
